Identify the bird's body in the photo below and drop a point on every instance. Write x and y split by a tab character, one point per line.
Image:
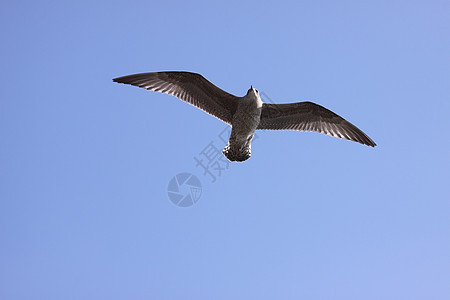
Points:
243	125
246	114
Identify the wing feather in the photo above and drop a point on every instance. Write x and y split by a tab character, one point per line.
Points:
308	116
189	87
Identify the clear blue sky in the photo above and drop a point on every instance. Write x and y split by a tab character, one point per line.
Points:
85	162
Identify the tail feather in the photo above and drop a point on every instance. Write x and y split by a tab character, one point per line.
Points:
234	153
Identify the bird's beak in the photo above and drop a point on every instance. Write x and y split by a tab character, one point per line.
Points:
251	87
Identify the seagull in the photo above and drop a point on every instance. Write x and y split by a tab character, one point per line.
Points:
248	113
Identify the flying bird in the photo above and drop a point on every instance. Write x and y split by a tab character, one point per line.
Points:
248	113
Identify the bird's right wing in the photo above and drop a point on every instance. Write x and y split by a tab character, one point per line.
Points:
190	87
308	116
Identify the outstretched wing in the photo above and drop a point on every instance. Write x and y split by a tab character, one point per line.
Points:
190	87
308	116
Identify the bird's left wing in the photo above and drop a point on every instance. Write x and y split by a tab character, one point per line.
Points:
192	88
308	116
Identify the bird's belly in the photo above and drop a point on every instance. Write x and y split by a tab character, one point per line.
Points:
244	126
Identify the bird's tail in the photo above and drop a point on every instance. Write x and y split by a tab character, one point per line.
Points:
237	152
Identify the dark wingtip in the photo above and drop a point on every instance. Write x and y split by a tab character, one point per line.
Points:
124	79
370	143
129	79
117	79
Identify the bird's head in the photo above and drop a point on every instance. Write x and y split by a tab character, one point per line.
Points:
252	90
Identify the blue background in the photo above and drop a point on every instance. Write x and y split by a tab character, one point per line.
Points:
85	162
